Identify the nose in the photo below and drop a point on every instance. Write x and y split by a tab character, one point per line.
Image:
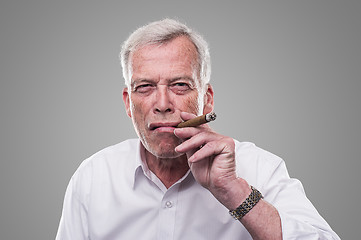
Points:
163	102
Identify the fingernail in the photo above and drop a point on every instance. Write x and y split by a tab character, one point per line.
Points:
177	149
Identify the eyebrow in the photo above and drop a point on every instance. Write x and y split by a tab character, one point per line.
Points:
140	80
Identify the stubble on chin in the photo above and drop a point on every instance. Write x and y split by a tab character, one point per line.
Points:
163	149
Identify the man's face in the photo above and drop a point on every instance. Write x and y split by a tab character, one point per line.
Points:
162	86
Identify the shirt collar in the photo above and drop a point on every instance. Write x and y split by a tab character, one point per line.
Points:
138	163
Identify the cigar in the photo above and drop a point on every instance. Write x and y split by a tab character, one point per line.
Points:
194	122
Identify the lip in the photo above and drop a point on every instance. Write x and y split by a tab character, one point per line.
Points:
163	126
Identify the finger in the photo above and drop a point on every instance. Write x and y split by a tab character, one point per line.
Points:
185	133
224	146
187	116
210	149
196	141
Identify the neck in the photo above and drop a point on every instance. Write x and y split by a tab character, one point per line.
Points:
168	170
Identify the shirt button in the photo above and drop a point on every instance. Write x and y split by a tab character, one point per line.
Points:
168	204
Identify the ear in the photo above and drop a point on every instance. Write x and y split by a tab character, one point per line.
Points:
208	100
126	101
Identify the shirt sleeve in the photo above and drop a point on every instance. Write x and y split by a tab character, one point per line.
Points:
74	220
299	218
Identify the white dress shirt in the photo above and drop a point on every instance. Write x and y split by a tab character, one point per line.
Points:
113	195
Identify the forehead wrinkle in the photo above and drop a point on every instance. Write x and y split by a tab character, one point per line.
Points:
180	58
185	48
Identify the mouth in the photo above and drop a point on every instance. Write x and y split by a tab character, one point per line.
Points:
163	126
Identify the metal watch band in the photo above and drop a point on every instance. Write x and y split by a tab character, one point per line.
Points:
247	205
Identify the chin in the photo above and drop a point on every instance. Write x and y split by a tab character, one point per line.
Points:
173	154
164	149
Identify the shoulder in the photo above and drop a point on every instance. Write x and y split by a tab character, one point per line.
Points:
250	152
253	162
109	157
125	148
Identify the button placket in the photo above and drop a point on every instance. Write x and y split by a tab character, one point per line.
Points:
167	214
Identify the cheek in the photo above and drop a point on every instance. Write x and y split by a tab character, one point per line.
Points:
137	110
191	104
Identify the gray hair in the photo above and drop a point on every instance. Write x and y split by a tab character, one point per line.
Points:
160	32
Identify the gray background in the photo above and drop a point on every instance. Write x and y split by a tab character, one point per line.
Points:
286	76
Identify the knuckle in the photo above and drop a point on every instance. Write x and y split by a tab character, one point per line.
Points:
211	145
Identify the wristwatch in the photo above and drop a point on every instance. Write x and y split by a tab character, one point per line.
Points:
247	205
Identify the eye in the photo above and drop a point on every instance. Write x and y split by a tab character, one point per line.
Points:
144	88
180	87
181	84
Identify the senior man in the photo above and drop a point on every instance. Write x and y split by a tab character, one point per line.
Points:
181	183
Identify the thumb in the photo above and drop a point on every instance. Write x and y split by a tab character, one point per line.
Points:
187	116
